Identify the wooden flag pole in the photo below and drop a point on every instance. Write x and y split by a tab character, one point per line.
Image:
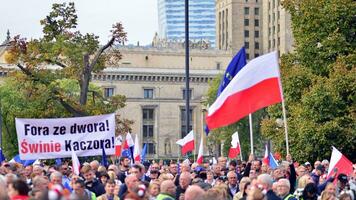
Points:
251	132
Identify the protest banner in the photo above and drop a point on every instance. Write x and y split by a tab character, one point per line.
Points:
58	137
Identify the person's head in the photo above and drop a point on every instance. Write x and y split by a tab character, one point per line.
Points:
301	170
327	196
28	170
185	167
131	181
304	180
307	165
104	177
79	187
194	192
165	176
209	175
110	187
168	187
252	174
94	165
136	170
316	163
37	170
154	174
125	162
113	168
319	170
232	165
217	169
153	188
345	196
264	168
243	182
184	180
325	163
222	161
342	180
64	169
283	187
88	173
310	192
265	180
330	188
173	168
256	194
56	178
256	165
18	187
40	183
232	178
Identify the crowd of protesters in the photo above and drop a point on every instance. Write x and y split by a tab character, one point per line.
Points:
233	180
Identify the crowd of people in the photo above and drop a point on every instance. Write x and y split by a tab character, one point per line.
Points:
230	180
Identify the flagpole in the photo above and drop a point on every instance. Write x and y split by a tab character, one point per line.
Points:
251	131
240	146
285	125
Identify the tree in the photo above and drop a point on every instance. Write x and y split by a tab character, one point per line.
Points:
54	73
319	81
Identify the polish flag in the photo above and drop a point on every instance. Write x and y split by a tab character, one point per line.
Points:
340	162
235	146
75	163
257	85
187	143
265	158
200	153
137	150
118	143
128	141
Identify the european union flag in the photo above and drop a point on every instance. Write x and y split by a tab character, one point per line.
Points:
104	160
2	157
23	162
236	64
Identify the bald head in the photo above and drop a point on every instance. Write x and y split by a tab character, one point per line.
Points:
184	180
168	187
194	192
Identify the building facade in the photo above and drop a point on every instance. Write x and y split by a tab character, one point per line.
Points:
238	23
171	20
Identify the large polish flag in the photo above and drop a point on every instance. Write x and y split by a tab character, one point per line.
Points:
235	148
137	150
257	85
340	162
118	143
128	141
200	153
187	143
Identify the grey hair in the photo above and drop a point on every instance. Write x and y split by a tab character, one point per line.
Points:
266	179
56	174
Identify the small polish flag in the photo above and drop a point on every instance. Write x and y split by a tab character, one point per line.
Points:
200	153
265	158
128	141
118	143
75	163
187	143
137	150
235	146
256	86
340	162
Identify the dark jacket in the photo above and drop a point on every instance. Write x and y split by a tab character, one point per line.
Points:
96	187
272	196
122	191
179	191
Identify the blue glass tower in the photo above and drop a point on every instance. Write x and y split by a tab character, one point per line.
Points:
201	20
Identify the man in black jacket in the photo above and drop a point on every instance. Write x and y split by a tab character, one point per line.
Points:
266	181
92	183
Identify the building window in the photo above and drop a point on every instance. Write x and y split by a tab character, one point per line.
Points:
257	11
247	10
108	92
257	34
257	22
247	34
190	93
247	56
257	45
269	44
147	123
247	45
183	121
218	65
246	22
148	93
151	148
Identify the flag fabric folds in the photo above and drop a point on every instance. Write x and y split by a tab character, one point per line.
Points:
2	157
339	161
257	85
269	160
236	64
23	162
75	163
187	143
235	148
201	152
58	162
137	150
118	144
104	159
128	145
143	153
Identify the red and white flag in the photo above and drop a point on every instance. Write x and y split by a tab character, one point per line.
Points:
201	152
266	158
187	143
128	141
118	143
257	85
235	148
137	150
340	162
75	163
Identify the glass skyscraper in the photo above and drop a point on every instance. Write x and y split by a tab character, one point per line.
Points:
201	20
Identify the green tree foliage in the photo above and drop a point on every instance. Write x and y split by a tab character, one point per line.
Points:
224	134
319	80
54	74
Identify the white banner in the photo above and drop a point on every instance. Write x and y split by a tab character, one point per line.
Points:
57	138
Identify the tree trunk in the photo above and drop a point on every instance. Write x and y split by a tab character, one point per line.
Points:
85	79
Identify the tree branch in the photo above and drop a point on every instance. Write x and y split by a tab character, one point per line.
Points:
28	72
99	52
70	108
56	63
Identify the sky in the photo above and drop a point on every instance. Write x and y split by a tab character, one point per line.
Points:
139	18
